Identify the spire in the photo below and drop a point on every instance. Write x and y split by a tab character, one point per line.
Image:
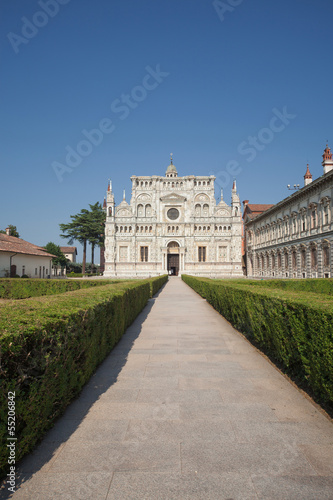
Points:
235	202
124	197
221	194
110	185
327	160
171	155
104	203
307	176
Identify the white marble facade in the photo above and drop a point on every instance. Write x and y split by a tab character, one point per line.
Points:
173	225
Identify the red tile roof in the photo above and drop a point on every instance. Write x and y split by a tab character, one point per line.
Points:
17	245
68	250
258	207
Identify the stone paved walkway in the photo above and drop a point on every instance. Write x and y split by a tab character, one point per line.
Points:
184	408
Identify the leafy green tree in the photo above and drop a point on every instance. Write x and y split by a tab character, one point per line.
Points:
12	231
86	226
60	259
97	216
74	267
79	230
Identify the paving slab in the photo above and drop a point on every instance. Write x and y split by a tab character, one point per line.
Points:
183	408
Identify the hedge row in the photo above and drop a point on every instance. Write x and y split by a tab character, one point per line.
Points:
318	285
293	328
157	283
25	288
81	275
50	347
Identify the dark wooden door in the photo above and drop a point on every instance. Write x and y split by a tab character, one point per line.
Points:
173	264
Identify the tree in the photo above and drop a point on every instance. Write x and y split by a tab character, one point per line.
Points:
78	229
60	259
86	226
97	216
12	231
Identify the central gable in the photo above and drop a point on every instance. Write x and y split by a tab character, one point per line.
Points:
173	198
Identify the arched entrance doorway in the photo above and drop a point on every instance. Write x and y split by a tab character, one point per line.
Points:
173	258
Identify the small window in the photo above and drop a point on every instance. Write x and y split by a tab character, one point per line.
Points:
313	257
294	260
202	254
144	254
313	219
325	214
197	210
205	210
279	261
36	271
286	261
326	256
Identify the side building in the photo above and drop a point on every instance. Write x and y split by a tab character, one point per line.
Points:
173	225
294	238
21	258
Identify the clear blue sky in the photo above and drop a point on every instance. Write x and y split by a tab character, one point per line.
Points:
222	75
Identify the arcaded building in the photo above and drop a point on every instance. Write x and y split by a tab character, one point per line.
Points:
173	225
294	238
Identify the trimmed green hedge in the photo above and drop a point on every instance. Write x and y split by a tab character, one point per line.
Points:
157	283
295	328
25	288
317	285
50	346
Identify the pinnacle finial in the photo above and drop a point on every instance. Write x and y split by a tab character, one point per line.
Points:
221	194
171	155
124	195
308	174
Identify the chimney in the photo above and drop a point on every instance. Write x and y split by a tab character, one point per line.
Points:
245	202
7	231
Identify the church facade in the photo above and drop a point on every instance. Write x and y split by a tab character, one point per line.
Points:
173	225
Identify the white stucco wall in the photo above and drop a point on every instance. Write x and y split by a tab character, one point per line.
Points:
30	263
